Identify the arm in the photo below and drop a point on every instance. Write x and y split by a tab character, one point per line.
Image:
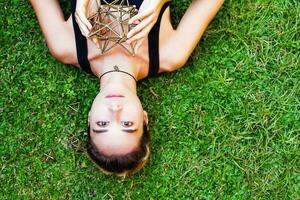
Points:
58	33
189	32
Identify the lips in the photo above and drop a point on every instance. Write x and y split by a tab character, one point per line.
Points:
114	96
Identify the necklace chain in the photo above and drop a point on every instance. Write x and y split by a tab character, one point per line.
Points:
116	69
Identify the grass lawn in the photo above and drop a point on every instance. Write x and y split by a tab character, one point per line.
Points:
226	127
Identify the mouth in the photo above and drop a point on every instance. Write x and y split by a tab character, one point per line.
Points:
114	96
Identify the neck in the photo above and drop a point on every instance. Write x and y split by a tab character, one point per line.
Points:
119	79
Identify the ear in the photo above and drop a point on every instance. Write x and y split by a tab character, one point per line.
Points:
146	120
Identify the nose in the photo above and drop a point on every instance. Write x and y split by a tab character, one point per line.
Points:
115	106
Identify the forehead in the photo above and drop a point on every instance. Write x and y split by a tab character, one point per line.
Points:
116	142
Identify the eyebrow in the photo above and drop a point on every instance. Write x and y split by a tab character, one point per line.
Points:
124	130
129	130
100	131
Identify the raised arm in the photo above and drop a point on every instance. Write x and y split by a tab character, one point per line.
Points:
58	32
189	32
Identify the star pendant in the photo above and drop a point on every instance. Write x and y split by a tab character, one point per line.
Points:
110	25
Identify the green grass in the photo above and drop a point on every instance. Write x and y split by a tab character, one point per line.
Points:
227	127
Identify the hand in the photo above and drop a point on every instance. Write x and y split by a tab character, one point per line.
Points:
145	20
81	16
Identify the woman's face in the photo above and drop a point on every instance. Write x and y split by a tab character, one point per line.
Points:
116	121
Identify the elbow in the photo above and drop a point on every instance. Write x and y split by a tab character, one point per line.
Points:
176	61
180	59
221	2
61	53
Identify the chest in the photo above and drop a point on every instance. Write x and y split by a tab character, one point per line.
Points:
97	58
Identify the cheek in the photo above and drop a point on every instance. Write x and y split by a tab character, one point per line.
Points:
134	111
98	111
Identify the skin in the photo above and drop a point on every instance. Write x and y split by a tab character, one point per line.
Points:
117	116
174	49
145	19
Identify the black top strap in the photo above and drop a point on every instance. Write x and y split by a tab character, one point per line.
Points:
81	43
153	44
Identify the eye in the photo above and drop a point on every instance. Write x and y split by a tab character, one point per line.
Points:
103	124
127	123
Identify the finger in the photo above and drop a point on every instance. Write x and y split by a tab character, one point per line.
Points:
141	15
80	24
84	30
141	26
84	20
141	34
138	44
96	41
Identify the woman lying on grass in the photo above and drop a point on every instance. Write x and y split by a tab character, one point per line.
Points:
118	125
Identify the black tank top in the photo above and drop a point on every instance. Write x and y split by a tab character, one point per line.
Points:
153	41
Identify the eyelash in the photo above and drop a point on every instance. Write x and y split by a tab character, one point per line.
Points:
131	123
100	123
107	123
